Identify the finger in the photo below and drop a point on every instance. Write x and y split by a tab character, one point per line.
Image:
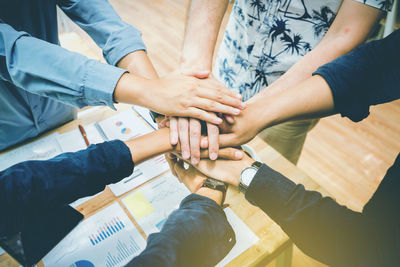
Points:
184	176
204	143
203	115
173	131
217	87
183	129
178	170
229	119
228	140
211	105
171	161
194	137
213	140
201	74
221	98
229	153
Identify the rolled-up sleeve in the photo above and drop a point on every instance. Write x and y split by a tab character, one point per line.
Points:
49	70
102	23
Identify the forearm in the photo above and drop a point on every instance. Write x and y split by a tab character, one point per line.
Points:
318	225
138	63
312	98
149	145
204	21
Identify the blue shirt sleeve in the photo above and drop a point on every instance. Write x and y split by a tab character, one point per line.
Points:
369	75
34	185
102	23
198	232
49	70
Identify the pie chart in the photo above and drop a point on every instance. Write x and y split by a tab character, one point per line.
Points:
82	263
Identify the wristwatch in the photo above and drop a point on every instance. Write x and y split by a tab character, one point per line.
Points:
216	185
247	175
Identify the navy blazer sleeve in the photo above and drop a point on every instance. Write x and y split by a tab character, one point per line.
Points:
39	185
197	234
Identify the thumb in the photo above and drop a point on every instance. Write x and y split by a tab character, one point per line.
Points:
201	74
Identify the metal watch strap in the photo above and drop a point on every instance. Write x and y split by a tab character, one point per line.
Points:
242	187
216	185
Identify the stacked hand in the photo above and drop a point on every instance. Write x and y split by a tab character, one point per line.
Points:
224	170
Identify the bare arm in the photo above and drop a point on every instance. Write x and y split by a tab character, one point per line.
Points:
204	21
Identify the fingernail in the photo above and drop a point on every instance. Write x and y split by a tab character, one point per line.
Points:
218	121
242	105
174	141
213	156
238	95
238	154
236	111
185	155
194	161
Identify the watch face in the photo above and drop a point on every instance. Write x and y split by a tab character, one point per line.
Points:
248	175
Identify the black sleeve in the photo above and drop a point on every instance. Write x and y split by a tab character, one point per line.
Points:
197	234
318	225
369	75
31	186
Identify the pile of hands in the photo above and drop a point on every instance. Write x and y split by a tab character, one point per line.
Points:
206	143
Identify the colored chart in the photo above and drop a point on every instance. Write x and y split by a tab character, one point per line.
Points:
82	263
105	239
106	230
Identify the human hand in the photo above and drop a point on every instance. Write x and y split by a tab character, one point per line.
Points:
188	131
184	96
225	170
244	128
193	180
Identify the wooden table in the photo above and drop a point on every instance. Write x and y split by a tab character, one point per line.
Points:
273	244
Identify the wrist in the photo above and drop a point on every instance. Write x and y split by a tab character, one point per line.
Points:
129	89
263	116
213	194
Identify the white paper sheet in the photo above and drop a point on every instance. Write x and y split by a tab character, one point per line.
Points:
107	238
145	114
141	174
42	149
152	204
245	238
2	251
124	126
73	141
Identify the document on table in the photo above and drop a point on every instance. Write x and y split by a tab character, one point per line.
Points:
73	141
153	203
245	238
108	238
42	149
124	126
145	114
